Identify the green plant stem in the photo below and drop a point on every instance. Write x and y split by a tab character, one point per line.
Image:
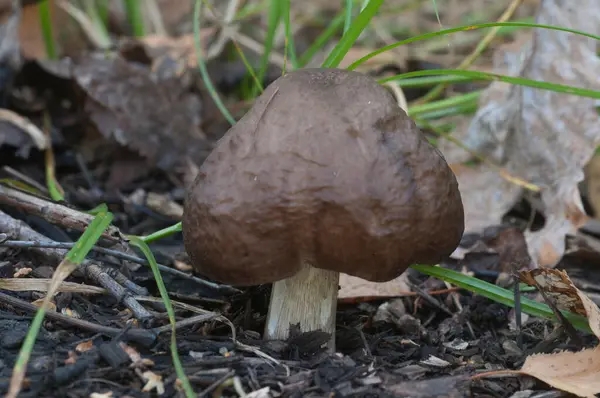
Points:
469	98
321	40
45	15
273	24
484	76
348	15
202	65
139	243
163	233
135	16
290	47
430	35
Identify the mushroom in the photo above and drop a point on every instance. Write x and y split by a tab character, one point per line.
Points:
324	175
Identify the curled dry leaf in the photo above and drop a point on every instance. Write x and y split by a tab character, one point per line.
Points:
353	287
18	132
158	118
557	285
543	137
574	372
85	346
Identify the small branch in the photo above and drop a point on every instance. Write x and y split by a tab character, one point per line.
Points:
53	212
121	255
141	336
20	230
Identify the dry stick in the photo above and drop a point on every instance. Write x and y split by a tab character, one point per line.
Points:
52	212
20	230
118	254
26	179
487	39
142	336
70	218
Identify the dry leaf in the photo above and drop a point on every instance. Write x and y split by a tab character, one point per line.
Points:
18	132
592	171
22	272
557	285
39	302
541	136
85	346
107	394
158	118
574	372
72	358
353	287
153	382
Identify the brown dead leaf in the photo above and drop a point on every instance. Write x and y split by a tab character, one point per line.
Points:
574	372
68	36
85	346
159	119
72	358
22	272
353	287
181	48
557	285
39	302
592	179
543	137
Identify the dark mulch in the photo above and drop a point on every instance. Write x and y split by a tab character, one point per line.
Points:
420	346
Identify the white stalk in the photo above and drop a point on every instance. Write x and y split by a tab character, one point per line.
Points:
307	299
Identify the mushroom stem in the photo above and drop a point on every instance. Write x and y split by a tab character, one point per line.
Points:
307	299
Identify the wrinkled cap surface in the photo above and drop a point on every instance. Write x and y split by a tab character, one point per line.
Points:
324	169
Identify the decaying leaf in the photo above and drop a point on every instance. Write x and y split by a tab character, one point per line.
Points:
159	119
574	372
557	285
541	136
353	287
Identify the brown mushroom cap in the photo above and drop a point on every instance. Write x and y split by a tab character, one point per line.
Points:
326	169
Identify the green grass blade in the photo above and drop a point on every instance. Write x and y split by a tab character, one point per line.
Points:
163	233
47	29
322	39
348	15
457	100
101	208
135	16
290	47
476	75
202	65
431	81
500	295
360	23
89	237
465	28
189	392
273	23
73	258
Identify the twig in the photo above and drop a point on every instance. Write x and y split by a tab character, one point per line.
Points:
20	230
121	255
216	384
36	135
145	337
26	179
52	212
187	322
153	13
